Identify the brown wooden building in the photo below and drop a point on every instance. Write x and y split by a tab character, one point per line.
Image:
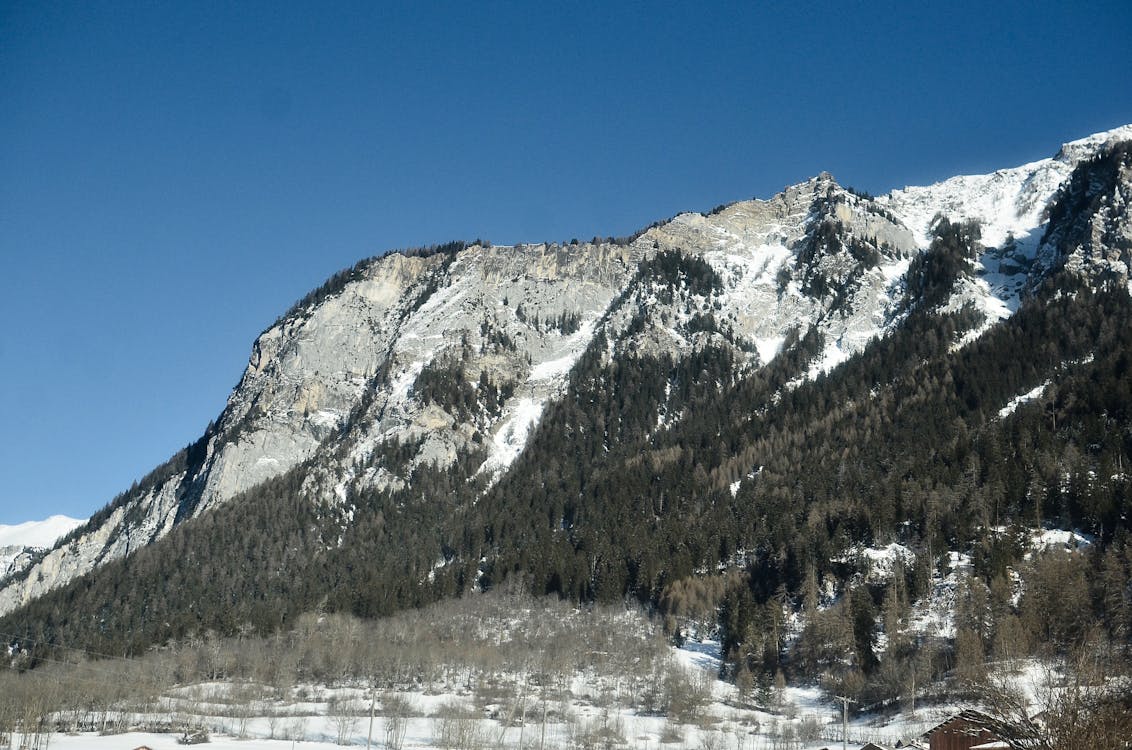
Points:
971	729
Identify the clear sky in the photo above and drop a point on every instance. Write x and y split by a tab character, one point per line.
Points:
173	175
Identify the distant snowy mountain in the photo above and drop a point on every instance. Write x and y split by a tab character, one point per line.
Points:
38	533
20	540
418	361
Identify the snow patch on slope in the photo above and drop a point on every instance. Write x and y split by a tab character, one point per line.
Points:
879	564
769	347
1063	539
1003	202
1006	202
935	614
560	366
1022	399
512	435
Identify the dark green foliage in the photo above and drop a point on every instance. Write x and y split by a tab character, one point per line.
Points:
865	253
702	323
862	612
908	431
824	239
671	270
565	323
829	239
495	337
394	455
245	563
866	195
933	273
446	248
445	385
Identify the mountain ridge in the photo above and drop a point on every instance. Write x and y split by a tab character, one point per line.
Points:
456	355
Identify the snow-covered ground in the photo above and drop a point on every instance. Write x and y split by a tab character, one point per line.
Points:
584	707
802	717
511	437
1022	398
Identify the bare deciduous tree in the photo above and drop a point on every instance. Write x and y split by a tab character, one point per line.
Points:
345	715
396	710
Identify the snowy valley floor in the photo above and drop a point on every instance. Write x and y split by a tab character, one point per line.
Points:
800	719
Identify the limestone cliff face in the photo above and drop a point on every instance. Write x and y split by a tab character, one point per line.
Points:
457	353
1090	230
341	374
306	374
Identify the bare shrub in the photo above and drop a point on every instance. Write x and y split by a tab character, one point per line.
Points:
809	729
686	695
296	729
457	728
711	741
397	710
243	700
604	732
672	733
786	738
740	738
274	720
344	715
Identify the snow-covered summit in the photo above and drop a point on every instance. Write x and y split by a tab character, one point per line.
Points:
38	533
1011	207
1005	202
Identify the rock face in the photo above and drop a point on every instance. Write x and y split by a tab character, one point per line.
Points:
455	353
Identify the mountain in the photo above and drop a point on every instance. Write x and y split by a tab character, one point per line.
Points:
20	543
757	388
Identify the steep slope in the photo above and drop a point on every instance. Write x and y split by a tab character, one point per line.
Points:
416	371
354	354
492	331
814	255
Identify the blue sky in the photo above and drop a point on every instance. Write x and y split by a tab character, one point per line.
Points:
174	175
